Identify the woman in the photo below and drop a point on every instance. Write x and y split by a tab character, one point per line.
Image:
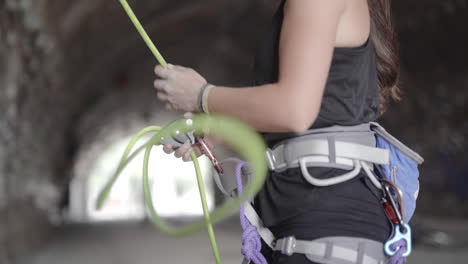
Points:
324	63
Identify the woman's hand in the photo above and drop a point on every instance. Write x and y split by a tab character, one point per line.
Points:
185	151
178	87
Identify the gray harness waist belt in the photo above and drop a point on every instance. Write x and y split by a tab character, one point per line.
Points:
349	148
336	250
335	146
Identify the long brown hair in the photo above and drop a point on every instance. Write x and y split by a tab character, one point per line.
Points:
386	46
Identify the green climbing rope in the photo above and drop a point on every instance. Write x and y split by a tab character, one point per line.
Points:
143	33
240	137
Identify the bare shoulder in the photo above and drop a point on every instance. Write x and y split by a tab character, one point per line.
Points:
350	18
354	26
310	7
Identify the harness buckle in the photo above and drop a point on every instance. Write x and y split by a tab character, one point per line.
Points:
287	245
271	160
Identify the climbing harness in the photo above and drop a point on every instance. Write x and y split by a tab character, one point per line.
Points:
365	147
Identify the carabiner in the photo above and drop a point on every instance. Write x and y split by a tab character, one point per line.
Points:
205	149
393	209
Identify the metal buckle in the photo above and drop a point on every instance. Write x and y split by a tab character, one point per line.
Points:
271	160
288	245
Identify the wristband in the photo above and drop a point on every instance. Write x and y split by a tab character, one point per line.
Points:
205	98
200	97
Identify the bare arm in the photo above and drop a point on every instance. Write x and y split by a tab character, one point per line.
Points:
306	46
292	104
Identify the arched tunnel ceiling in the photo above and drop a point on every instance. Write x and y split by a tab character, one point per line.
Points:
60	59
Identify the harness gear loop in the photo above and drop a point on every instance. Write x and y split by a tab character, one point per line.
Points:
332	181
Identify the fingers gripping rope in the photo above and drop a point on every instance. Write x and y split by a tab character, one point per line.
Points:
236	134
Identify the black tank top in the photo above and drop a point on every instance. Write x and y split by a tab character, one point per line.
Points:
287	203
351	92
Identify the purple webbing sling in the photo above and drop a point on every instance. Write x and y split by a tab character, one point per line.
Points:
398	257
251	241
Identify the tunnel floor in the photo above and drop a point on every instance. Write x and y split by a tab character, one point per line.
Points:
138	243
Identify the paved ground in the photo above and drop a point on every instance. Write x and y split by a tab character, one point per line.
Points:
136	243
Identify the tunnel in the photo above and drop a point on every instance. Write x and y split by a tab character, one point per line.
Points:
76	82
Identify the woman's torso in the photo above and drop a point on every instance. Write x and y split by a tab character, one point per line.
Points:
290	205
351	92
